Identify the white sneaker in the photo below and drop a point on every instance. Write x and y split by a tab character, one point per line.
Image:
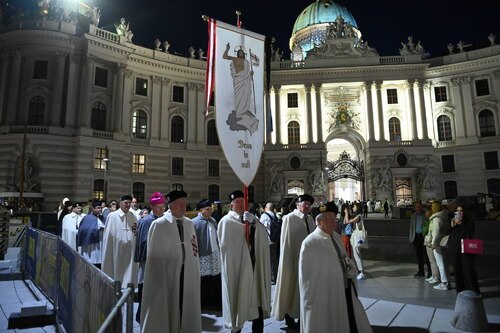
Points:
433	280
441	286
360	276
430	278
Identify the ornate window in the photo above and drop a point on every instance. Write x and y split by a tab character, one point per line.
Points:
177	129
293	133
440	94
482	87
40	70
213	192
100	158
486	123
141	86
392	96
36	111
140	124
444	128
212	137
138	163
178	94
138	190
98	190
101	77
293	100
394	129
450	189
98	117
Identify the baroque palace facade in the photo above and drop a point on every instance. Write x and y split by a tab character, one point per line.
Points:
86	113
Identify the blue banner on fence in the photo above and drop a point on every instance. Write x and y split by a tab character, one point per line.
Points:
65	300
31	252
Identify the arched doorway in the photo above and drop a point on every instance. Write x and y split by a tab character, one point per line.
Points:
345	172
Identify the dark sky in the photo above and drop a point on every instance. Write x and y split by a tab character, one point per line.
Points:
384	24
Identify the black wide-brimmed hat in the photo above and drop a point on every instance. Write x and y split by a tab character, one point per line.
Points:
174	195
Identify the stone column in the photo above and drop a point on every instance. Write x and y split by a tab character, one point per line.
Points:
470	121
367	87
3	84
128	86
86	87
423	112
155	123
58	89
201	127
455	96
191	116
118	97
319	115
277	124
12	98
381	120
309	114
411	104
72	99
165	101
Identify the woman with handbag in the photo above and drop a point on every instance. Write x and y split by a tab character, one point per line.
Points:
356	222
439	219
462	227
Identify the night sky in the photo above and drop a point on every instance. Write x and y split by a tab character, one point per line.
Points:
384	24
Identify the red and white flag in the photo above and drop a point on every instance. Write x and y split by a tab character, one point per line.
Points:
234	57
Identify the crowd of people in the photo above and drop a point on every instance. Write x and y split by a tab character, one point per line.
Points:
225	262
436	232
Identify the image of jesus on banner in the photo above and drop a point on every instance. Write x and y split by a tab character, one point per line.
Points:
243	116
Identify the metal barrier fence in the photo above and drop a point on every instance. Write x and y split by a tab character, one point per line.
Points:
83	296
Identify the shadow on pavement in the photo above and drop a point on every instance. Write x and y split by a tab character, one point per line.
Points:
395	329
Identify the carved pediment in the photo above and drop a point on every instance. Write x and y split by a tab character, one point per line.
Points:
445	109
140	104
486	104
38	90
177	109
100	96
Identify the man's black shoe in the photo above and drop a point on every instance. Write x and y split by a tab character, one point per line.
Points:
428	276
418	274
290	322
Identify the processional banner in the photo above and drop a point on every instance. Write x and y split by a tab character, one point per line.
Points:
238	58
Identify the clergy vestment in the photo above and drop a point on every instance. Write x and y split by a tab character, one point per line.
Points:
295	228
169	304
244	288
89	238
118	248
70	225
323	303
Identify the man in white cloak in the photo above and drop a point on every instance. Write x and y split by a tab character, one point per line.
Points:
294	229
246	268
70	225
118	244
328	296
171	294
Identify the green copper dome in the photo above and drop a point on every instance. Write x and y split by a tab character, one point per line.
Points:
322	11
312	25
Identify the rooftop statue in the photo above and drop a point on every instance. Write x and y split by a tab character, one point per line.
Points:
157	44
166	46
461	46
201	54
123	29
451	48
410	48
95	16
491	38
191	51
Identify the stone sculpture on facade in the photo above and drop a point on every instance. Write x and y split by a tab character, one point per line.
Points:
166	46
410	48
461	46
157	44
451	48
201	54
492	37
276	180
383	179
123	29
95	16
426	177
191	51
316	182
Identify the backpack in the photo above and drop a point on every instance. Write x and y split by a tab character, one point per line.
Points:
275	234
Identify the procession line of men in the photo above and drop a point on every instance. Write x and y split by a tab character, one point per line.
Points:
179	263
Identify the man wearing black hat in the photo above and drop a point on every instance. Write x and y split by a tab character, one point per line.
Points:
246	268
295	228
209	253
118	244
328	301
171	294
70	225
89	237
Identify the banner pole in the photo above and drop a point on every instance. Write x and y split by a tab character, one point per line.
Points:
245	194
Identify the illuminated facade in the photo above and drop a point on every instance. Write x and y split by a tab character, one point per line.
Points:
104	116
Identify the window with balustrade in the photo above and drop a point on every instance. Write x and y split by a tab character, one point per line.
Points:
486	123
394	129
36	111
140	124
293	133
444	128
98	116
177	129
